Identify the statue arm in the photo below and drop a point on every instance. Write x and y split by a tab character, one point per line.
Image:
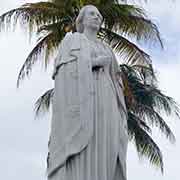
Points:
58	57
63	46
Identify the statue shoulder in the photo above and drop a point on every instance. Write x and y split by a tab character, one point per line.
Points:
71	40
67	39
71	37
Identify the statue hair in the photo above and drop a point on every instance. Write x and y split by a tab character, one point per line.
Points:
79	19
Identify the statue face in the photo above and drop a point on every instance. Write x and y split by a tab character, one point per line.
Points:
92	18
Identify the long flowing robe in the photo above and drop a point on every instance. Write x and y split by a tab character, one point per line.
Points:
89	123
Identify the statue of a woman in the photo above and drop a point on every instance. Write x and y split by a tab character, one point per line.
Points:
89	124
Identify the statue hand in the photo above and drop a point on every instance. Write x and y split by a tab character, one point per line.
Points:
101	61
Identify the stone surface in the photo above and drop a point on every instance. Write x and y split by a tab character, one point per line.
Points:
89	123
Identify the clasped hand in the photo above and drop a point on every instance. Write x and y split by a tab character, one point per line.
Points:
101	61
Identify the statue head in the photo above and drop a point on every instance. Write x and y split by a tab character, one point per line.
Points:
90	17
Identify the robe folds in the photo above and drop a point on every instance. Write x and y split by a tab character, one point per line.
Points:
72	118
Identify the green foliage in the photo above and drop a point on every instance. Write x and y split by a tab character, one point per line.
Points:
138	132
130	21
32	14
43	103
147	101
129	52
47	45
120	21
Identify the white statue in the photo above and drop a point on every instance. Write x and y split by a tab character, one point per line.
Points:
89	124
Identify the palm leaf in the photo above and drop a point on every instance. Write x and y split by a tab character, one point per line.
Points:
155	119
147	74
31	14
148	93
164	103
131	75
61	26
46	46
127	50
131	21
43	103
132	118
145	145
145	99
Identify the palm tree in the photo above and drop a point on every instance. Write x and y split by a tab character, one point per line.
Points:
122	22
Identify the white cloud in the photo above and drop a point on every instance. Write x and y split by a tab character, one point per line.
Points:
166	11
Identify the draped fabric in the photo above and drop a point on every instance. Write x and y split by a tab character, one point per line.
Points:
103	155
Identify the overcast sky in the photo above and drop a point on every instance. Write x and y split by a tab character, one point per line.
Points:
23	148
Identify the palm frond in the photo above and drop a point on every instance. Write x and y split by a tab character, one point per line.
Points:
131	21
43	103
46	46
141	73
164	103
147	74
31	16
145	145
146	101
132	118
66	4
155	119
127	50
148	93
128	93
131	76
62	25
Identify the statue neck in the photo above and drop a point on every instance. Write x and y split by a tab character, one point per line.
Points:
91	34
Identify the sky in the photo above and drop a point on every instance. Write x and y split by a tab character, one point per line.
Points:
24	139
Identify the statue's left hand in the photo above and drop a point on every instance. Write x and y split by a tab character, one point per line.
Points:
101	61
